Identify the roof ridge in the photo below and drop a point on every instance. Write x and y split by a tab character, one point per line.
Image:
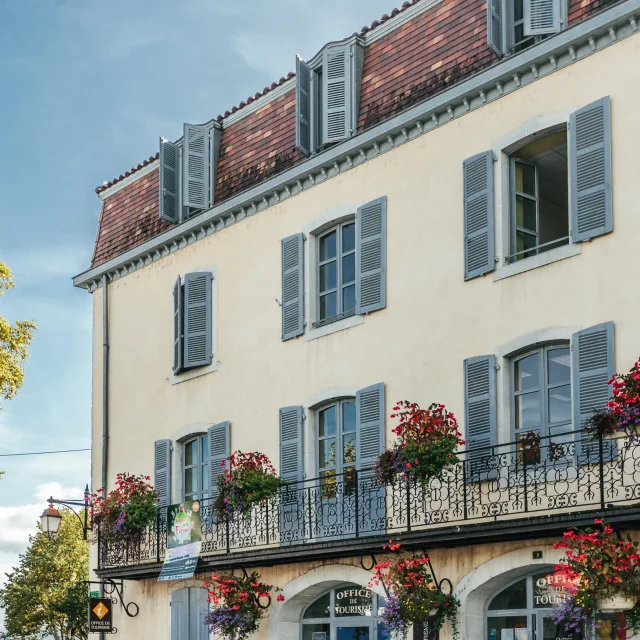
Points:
274	85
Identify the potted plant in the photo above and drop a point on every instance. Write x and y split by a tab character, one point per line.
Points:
237	604
249	479
125	512
427	445
605	570
412	595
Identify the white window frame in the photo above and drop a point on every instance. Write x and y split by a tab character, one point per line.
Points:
199	495
189	374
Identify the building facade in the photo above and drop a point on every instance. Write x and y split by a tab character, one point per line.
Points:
427	210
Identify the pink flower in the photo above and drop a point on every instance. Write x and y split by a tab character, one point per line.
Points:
280	598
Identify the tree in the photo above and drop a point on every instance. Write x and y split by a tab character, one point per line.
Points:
14	344
46	594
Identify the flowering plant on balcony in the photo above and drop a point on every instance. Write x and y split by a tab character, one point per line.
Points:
249	479
413	597
622	413
237	604
428	440
600	566
126	511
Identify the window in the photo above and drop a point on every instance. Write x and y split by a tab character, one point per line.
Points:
348	612
336	441
541	397
525	609
188	608
328	95
539	196
192	322
514	25
195	468
188	172
337	273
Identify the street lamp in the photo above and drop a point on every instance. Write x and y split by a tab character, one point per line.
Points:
51	518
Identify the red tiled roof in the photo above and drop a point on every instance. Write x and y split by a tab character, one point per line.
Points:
438	48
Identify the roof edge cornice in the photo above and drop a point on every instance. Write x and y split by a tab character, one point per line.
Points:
550	55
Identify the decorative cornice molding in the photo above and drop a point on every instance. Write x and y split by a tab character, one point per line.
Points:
548	56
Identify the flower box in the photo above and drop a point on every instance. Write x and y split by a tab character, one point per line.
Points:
617	603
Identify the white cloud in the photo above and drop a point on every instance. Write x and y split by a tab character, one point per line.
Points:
55	489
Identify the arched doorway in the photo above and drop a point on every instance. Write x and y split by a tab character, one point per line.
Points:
346	612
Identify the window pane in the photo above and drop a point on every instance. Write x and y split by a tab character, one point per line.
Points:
309	629
349	448
321	608
348	237
526	214
327	306
349	298
191	480
349	268
525	241
527	372
328	488
191	452
513	597
205	477
560	404
528	411
328	246
559	365
328	276
204	447
495	627
349	416
518	12
519	34
327	453
526	179
327	422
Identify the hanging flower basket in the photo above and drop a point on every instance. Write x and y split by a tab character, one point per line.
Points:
238	604
249	479
124	514
413	596
617	603
427	445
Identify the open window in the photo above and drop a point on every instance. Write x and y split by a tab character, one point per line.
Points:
514	25
539	192
328	95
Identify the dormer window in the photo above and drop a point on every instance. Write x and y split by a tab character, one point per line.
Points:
188	172
328	95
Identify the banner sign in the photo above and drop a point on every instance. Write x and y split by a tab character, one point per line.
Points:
184	541
100	615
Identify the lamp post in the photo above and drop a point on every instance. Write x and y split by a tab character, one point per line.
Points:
51	517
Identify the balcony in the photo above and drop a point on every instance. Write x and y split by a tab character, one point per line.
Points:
493	494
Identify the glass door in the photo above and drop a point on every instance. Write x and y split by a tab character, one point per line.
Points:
357	632
549	630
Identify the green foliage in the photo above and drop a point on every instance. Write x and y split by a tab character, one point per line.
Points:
14	344
45	595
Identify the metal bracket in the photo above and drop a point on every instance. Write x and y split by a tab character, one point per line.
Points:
374	562
116	586
246	576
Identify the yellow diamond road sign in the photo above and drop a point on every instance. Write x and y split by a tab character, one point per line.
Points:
100	610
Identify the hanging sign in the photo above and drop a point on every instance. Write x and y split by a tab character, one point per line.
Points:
184	541
100	615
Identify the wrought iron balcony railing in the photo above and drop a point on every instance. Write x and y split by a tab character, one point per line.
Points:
558	474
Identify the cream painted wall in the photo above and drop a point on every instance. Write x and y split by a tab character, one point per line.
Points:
433	320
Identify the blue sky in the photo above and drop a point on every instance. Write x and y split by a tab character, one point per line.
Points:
86	89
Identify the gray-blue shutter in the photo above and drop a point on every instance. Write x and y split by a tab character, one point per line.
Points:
303	106
370	421
197	319
480	413
592	367
371	256
494	25
590	195
336	93
196	166
169	177
291	443
198	610
292	286
219	437
162	470
180	614
541	17
178	349
479	253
